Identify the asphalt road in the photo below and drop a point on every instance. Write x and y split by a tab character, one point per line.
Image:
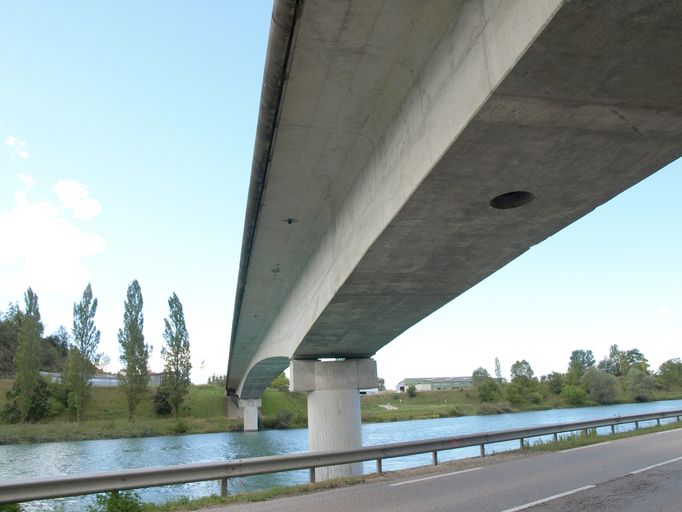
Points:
641	473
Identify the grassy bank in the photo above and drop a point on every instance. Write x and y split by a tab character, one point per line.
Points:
106	414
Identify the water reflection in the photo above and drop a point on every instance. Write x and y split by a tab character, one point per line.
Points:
54	459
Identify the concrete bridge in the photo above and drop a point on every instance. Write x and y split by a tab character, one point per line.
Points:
408	149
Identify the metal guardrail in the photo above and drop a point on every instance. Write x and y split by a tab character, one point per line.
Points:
14	491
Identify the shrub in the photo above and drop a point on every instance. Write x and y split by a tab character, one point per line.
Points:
411	391
123	501
11	507
488	390
162	405
573	395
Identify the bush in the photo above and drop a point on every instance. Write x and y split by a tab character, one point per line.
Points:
161	404
515	394
601	386
640	385
411	391
11	507
39	408
488	390
573	395
123	501
536	397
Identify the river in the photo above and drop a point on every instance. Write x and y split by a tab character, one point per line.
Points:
54	459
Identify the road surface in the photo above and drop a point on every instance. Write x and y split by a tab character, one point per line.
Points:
627	475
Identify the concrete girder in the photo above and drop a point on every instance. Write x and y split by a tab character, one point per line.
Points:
572	101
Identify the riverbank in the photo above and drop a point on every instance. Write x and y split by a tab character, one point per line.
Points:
105	417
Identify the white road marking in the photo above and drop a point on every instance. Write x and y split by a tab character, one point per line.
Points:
433	477
583	447
550	498
655	466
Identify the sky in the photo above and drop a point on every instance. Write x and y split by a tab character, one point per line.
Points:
126	139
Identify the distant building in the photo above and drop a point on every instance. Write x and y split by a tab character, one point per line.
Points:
436	383
103	380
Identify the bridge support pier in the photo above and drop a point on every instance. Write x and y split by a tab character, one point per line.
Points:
334	421
249	412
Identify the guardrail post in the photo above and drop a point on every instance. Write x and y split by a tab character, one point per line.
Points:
380	469
521	443
636	425
556	437
434	457
658	421
482	450
223	487
312	475
613	429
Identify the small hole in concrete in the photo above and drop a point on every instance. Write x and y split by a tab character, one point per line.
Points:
511	200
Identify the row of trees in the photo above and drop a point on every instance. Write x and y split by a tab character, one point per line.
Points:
22	343
620	373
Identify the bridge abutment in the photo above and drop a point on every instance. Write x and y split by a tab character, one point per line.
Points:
334	421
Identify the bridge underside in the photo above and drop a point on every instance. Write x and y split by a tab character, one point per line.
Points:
573	104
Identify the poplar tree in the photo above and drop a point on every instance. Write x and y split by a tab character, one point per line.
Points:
82	359
176	356
27	357
134	352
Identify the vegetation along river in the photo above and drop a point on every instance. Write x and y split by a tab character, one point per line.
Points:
54	459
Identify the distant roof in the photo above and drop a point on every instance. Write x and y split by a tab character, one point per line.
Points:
437	379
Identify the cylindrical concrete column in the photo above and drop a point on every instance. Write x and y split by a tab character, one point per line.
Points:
334	421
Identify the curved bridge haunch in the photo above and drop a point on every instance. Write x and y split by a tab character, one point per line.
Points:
261	375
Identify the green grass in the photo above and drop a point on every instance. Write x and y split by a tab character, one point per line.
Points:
106	414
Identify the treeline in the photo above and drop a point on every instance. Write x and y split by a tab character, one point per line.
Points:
25	352
620	375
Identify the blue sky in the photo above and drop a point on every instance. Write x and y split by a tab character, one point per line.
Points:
126	134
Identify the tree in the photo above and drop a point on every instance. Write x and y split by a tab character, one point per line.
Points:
555	381
27	358
381	385
411	390
10	323
613	363
601	386
479	376
619	362
521	372
488	390
281	383
80	365
640	385
176	355
579	362
498	370
670	373
134	352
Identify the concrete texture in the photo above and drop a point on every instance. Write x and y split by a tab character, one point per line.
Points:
400	121
249	409
334	421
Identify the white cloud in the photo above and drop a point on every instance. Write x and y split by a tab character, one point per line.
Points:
28	181
43	249
19	146
664	312
75	197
